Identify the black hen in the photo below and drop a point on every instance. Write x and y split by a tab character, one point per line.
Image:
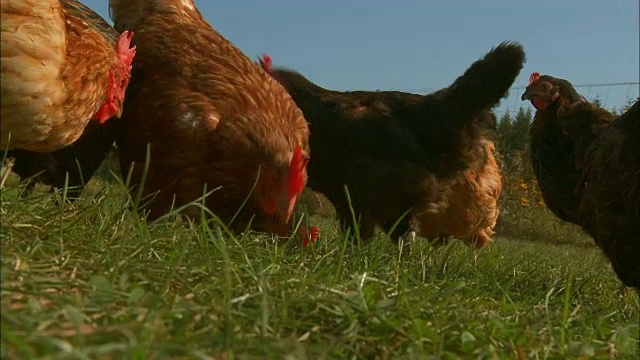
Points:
610	207
552	151
393	150
587	163
79	160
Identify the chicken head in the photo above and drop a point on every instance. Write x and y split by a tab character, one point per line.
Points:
118	79
540	91
278	190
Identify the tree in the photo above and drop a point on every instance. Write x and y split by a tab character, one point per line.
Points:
513	144
504	123
513	132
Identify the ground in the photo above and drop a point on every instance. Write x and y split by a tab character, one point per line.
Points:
93	281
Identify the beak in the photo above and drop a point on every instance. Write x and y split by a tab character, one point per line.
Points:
528	94
286	208
119	108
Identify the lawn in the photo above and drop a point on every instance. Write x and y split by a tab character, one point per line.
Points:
93	281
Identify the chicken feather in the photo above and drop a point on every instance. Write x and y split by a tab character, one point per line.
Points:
383	158
61	66
211	118
586	160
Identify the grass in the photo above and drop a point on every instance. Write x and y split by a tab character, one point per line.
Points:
93	281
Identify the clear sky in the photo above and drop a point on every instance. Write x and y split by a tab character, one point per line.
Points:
420	45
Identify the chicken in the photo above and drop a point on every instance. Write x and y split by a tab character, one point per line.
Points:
609	209
207	119
602	155
582	122
552	151
79	161
62	66
472	206
380	155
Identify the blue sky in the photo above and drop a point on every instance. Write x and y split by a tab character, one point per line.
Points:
420	46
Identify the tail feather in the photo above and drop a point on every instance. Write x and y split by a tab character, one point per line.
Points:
454	119
487	80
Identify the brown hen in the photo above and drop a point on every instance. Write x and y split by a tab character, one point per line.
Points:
62	65
210	120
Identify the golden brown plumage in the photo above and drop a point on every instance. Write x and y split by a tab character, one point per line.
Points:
211	116
62	65
472	206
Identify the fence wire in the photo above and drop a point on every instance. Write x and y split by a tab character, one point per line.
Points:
614	96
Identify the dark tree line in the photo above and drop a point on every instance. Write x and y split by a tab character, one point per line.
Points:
513	144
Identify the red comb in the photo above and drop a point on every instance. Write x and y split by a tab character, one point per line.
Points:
125	54
534	76
265	62
296	171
